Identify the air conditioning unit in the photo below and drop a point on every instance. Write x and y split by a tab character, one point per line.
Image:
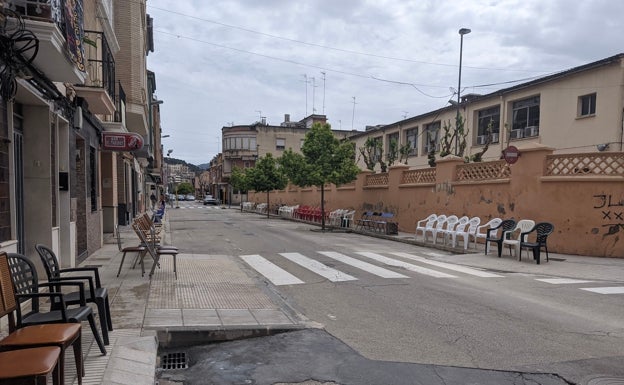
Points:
517	134
481	139
531	131
495	137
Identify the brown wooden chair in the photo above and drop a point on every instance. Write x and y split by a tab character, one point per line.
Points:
30	366
62	335
140	249
154	250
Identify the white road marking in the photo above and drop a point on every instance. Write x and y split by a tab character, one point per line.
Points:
605	290
450	266
272	272
562	281
405	265
368	267
318	268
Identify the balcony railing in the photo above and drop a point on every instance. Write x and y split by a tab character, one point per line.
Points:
58	26
100	62
41	10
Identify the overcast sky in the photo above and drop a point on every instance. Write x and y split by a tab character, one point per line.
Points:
228	62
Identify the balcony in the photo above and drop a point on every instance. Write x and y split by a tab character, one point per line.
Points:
60	56
99	88
118	122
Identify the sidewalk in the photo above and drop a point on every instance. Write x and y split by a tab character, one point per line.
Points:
217	298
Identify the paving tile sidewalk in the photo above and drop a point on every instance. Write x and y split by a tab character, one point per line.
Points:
199	300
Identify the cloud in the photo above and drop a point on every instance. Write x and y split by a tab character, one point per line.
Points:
237	60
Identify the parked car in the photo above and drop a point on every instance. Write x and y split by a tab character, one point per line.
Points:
190	197
181	197
210	200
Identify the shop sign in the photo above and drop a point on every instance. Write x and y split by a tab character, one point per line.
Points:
121	141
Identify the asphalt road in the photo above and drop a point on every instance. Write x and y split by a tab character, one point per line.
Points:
503	322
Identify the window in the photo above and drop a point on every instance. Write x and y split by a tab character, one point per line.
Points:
378	148
280	144
411	136
526	114
431	137
587	105
489	117
393	137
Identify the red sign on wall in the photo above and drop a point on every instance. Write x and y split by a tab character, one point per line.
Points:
511	154
121	141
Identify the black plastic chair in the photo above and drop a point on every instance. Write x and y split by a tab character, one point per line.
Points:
506	225
542	231
25	281
93	293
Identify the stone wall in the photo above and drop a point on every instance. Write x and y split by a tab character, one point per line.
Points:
581	194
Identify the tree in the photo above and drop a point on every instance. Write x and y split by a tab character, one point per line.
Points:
324	159
393	151
265	176
452	134
370	152
185	188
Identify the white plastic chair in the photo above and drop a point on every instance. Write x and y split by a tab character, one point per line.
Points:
466	233
347	218
439	222
423	224
513	238
494	222
447	226
447	233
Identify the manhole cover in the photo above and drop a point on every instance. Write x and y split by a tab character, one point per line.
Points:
171	361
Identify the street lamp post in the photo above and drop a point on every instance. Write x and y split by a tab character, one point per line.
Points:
462	32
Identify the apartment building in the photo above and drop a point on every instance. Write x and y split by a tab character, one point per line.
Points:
62	183
575	110
244	144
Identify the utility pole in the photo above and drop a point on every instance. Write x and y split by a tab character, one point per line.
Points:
305	80
353	116
313	94
323	92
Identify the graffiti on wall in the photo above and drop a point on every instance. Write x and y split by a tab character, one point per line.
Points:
612	212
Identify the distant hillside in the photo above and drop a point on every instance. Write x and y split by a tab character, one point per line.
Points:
204	166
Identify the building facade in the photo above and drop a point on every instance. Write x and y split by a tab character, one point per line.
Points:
577	110
60	185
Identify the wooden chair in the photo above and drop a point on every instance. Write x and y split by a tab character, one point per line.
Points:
94	292
140	249
61	335
30	366
155	251
25	281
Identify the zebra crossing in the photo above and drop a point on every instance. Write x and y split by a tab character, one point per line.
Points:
361	260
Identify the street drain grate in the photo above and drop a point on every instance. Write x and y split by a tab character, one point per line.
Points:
171	361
